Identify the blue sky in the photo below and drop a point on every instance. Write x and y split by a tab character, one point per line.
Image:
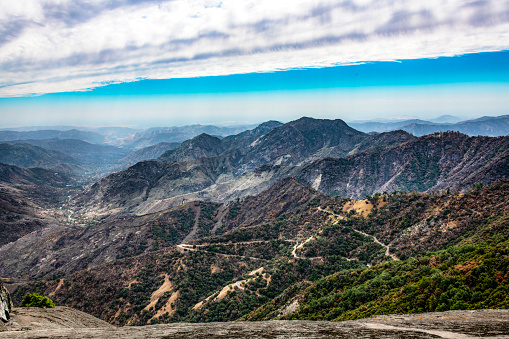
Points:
154	63
467	86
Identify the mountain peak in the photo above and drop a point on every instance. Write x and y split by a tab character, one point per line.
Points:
201	146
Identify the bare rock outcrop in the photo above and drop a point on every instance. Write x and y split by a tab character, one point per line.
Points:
5	304
492	324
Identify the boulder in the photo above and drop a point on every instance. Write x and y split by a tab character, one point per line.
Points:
5	304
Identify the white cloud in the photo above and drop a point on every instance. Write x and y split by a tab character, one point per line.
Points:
57	45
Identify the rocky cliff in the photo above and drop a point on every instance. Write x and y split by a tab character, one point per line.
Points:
5	304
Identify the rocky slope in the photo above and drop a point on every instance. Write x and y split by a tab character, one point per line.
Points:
428	163
35	319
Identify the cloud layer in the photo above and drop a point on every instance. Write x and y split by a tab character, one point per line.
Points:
51	46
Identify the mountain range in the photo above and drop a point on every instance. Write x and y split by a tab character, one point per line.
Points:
327	155
155	135
311	219
486	126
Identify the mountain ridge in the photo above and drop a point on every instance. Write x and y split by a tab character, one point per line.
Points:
383	162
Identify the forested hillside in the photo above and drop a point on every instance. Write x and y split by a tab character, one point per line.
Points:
327	258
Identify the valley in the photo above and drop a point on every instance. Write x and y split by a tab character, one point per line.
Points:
309	220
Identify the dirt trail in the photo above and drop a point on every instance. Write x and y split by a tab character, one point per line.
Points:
252	273
297	246
387	247
190	248
394	257
237	243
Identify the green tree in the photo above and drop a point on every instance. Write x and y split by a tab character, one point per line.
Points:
36	300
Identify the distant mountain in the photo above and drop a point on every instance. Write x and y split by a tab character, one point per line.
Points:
273	143
93	158
201	146
446	119
379	127
488	126
302	140
485	126
156	135
148	153
91	137
26	155
118	132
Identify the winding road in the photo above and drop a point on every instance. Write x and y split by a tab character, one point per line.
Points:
191	248
394	257
297	246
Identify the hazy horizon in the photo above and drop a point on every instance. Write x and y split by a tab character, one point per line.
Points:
246	123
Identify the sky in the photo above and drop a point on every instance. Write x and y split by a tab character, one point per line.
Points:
165	63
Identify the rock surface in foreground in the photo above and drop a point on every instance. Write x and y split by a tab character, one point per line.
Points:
34	319
63	322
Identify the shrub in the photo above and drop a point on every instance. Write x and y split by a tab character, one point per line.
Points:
36	300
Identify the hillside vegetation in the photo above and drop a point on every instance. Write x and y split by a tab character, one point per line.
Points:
326	258
468	277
